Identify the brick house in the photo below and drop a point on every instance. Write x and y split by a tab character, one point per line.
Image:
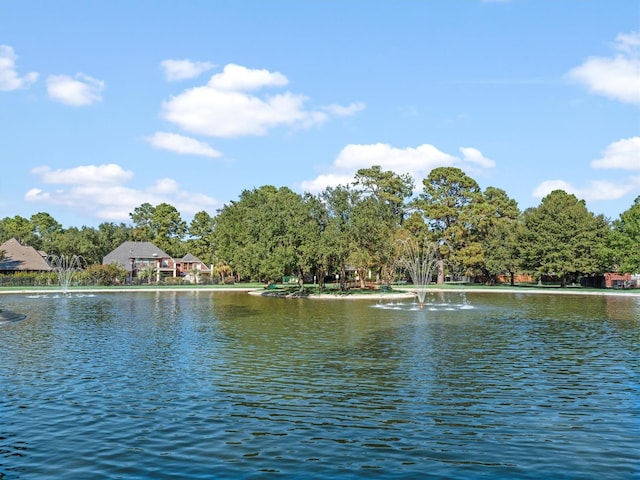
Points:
191	267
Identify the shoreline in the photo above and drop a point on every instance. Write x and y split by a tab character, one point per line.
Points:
59	291
541	291
393	295
396	293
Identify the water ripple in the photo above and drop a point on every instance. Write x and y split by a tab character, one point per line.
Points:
224	386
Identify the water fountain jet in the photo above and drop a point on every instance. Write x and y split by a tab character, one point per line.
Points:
419	260
65	267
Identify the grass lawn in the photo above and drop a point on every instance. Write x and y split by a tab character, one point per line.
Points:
330	289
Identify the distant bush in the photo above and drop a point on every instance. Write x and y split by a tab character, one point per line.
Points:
28	279
96	274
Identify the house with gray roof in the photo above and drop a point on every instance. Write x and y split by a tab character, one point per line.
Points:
22	258
136	256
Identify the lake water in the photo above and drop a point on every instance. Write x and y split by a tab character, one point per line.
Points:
200	385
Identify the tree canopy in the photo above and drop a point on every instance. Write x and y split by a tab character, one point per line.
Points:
562	238
625	239
271	232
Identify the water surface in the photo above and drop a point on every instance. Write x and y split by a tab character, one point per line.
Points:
182	385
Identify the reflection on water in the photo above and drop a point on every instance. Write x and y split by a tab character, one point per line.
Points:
227	385
433	302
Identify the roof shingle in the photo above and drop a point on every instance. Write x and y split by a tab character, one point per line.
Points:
22	258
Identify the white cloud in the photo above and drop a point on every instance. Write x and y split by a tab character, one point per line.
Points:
407	160
224	108
36	195
80	91
548	186
9	78
97	190
628	43
616	77
165	186
595	190
239	78
473	155
182	145
85	174
175	70
321	182
345	111
218	113
623	154
417	162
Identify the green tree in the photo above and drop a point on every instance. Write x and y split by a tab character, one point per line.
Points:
148	273
110	236
377	216
261	235
416	225
498	234
19	228
142	218
223	271
562	238
226	236
371	233
625	239
201	240
38	231
168	230
306	219
389	188
501	249
45	227
335	241
312	256
448	202
80	242
162	225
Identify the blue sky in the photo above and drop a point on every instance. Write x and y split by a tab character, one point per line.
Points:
105	105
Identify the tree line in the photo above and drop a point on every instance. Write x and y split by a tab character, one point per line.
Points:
270	232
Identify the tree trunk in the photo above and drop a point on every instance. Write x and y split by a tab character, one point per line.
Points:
440	280
489	278
320	276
